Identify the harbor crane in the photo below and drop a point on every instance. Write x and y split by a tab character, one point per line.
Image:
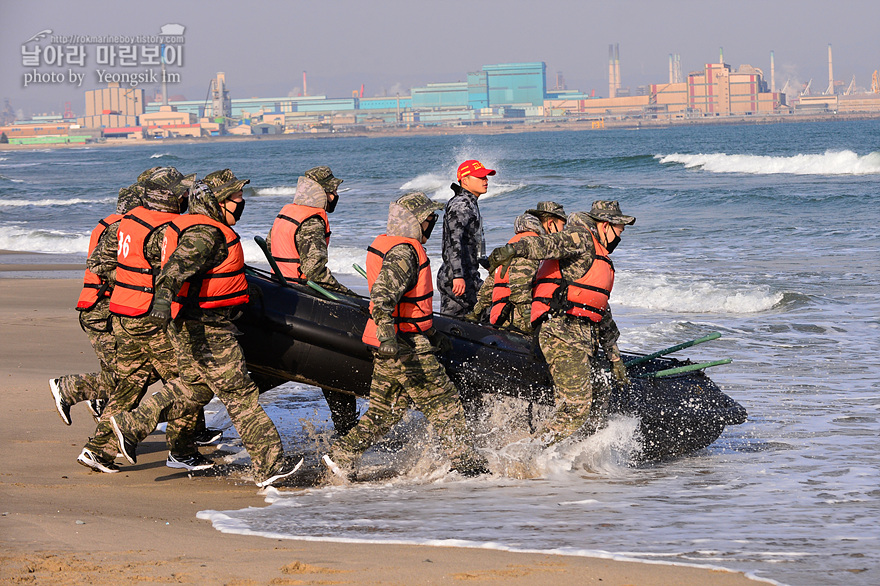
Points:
806	91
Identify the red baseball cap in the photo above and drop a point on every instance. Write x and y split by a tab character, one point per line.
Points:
475	168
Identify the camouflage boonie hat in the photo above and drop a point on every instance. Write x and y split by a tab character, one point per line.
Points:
225	184
549	208
166	179
129	198
146	174
324	176
609	211
419	205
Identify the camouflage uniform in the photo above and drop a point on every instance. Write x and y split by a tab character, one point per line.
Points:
311	244
414	376
205	342
463	247
311	238
569	343
96	323
520	278
141	348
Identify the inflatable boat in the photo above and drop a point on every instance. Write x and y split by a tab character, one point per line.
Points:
294	333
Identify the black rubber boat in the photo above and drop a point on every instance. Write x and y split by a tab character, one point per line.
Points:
293	333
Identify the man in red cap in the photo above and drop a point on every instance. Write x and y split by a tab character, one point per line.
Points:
464	248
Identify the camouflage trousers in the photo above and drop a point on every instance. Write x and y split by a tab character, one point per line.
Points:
141	349
569	345
95	385
421	380
211	362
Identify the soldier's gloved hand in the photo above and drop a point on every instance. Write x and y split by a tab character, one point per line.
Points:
160	314
502	257
472	317
346	291
440	341
618	371
484	262
388	348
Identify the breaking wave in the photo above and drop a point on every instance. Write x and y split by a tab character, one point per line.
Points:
691	294
829	163
53	202
275	191
163	156
49	241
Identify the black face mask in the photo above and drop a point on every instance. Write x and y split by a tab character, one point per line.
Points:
432	220
613	243
238	210
331	205
183	205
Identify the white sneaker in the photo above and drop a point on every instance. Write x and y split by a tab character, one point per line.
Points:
283	472
89	459
60	404
333	467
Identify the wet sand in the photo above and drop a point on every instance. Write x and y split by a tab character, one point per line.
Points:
63	524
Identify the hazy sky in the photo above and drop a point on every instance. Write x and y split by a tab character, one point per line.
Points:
392	45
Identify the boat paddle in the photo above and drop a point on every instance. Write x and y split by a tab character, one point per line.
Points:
360	271
683	369
322	291
671	349
261	242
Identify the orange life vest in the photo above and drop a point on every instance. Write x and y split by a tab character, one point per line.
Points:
283	242
585	297
222	286
135	278
414	311
95	287
501	287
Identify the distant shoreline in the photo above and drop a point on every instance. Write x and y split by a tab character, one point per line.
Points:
511	128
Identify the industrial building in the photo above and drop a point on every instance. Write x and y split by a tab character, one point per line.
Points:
717	90
505	93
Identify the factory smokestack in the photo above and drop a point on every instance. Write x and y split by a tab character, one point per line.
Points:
305	85
830	90
616	69
721	55
612	85
772	73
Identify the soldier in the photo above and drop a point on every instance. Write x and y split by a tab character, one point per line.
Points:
570	303
401	330
94	319
298	242
134	256
509	297
201	284
458	279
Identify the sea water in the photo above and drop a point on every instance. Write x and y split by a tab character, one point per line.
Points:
765	233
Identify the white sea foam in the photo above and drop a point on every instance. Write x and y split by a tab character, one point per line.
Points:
11	203
49	241
163	156
829	163
5	178
276	191
691	294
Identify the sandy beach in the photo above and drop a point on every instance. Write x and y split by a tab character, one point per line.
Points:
63	524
